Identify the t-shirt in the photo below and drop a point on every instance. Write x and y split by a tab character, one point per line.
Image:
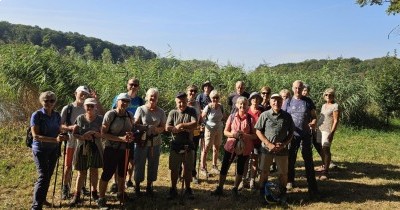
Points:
135	103
48	126
176	117
255	115
76	111
213	117
300	110
325	120
152	118
203	99
276	127
236	123
233	97
118	126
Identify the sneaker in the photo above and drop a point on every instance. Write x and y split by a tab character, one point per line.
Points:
102	203
215	170
195	180
129	183
114	188
217	191
65	192
323	177
273	168
321	168
332	165
189	193
84	191
75	200
204	172
289	186
173	193
95	196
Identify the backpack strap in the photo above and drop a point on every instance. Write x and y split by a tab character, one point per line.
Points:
69	114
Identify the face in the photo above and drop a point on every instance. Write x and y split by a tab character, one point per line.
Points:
328	97
207	89
255	101
305	92
153	99
215	99
80	96
123	103
297	88
285	96
191	93
48	103
240	88
242	106
276	104
181	103
133	85
265	95
90	108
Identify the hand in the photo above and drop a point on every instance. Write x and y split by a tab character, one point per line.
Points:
179	126
73	128
62	137
279	146
271	147
311	125
128	137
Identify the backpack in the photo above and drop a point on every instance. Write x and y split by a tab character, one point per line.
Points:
29	135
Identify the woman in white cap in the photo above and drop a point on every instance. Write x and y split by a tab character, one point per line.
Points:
117	132
89	150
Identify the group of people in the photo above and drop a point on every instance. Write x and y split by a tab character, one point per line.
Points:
261	129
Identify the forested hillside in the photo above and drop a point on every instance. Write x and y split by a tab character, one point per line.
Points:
70	42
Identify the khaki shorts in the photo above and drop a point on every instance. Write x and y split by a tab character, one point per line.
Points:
176	160
213	137
281	162
322	138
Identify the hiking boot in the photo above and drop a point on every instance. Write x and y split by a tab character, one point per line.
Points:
173	193
189	193
95	196
75	200
289	186
65	192
244	184
217	191
204	172
323	177
273	168
129	183
214	170
102	203
84	191
114	188
195	180
332	165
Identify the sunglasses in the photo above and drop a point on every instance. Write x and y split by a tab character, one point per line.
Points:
52	101
126	101
133	84
90	105
193	91
265	93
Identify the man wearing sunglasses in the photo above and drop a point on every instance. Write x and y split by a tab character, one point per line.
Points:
133	88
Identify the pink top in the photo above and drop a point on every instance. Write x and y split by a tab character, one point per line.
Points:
255	117
239	124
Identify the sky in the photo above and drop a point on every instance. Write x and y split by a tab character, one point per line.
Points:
243	33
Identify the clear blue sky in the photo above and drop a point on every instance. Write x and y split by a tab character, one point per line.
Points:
245	33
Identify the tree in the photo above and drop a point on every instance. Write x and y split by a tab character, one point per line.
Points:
394	6
106	56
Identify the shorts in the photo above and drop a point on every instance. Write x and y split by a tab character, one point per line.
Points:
176	160
281	162
69	156
322	138
213	137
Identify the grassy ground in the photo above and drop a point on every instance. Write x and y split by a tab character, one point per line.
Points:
368	177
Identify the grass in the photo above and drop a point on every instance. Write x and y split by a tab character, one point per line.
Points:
368	177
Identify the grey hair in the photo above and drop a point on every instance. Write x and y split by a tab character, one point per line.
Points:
214	93
150	92
241	99
47	94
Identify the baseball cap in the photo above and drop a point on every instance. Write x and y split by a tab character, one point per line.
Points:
181	95
83	89
90	101
123	96
276	95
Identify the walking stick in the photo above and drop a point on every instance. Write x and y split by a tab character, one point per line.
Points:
55	178
198	166
125	170
63	168
184	172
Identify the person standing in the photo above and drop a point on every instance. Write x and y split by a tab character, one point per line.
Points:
204	97
285	93
117	131
152	118
327	125
181	122
132	87
191	92
239	91
69	113
239	130
275	129
302	110
212	116
89	149
265	94
46	127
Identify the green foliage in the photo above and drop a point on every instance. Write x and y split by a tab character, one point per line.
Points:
393	8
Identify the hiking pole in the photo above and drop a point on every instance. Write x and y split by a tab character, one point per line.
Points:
185	147
55	178
198	166
125	171
63	168
92	146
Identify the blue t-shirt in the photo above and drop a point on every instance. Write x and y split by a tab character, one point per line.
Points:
300	110
48	126
135	103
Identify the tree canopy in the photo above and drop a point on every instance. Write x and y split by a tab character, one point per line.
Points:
394	6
